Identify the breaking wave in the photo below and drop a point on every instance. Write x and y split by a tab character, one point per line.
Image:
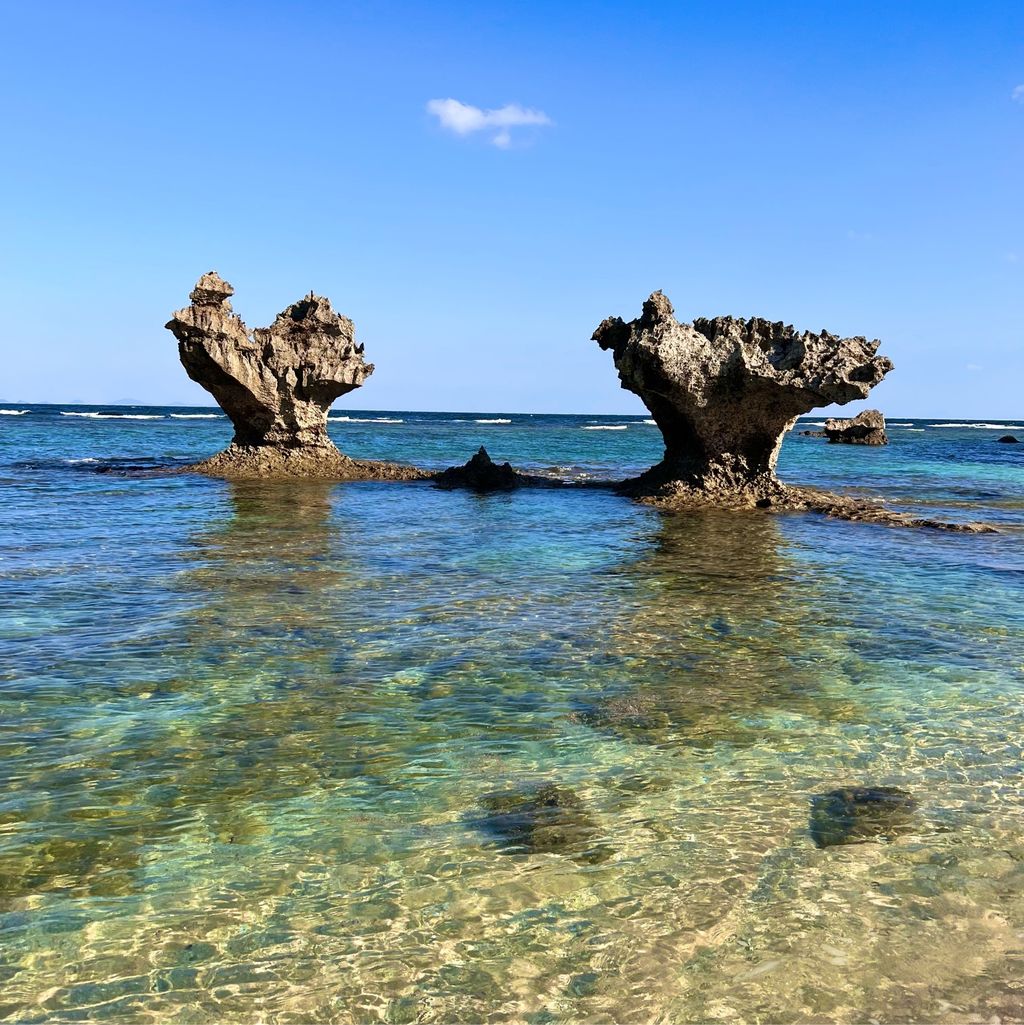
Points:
117	416
982	427
498	420
365	420
13	412
608	427
196	416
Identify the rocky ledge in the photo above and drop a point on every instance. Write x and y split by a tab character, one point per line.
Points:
867	428
724	392
276	385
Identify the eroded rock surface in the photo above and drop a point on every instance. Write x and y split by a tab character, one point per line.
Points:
867	428
275	383
725	391
481	474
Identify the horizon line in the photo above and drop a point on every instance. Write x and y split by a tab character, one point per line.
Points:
509	412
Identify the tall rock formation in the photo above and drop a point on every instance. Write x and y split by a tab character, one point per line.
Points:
275	383
725	391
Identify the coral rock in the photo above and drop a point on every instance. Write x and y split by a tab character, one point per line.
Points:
274	383
481	473
725	391
867	428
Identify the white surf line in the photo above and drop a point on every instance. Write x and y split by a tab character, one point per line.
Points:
364	420
982	427
117	416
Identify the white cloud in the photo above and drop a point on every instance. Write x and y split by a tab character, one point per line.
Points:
464	119
1018	94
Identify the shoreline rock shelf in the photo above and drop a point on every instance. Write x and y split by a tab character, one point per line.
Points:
276	384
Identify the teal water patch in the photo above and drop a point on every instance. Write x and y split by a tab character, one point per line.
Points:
250	734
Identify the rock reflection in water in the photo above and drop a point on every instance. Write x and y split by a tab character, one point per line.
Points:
717	634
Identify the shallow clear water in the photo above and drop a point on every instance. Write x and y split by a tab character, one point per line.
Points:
247	731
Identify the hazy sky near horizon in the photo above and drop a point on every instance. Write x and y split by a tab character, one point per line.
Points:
478	185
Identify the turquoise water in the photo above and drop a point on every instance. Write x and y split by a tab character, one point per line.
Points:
248	732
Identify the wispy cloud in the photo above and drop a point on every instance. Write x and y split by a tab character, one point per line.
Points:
465	119
1018	94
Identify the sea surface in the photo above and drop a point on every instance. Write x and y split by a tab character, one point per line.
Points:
248	732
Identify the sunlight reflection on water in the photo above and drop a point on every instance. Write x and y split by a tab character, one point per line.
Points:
248	733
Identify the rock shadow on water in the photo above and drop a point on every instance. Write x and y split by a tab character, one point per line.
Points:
860	814
540	818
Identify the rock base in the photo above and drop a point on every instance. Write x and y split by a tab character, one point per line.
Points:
265	462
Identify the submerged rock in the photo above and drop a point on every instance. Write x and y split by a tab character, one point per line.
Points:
725	391
1008	439
481	473
629	716
867	428
858	814
275	383
542	818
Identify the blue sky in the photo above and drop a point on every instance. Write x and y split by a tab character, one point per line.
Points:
858	167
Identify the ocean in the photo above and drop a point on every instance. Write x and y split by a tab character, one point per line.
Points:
249	733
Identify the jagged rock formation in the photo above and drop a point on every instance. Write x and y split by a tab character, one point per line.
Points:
867	428
724	392
481	473
275	384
